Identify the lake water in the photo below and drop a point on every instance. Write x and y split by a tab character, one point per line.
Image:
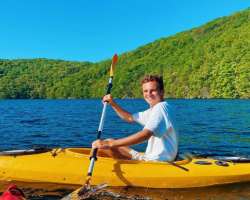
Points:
206	127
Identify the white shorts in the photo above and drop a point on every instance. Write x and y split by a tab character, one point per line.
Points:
135	155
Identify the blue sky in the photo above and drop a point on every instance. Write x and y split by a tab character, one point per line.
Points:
93	30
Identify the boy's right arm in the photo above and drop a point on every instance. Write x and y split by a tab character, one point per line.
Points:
123	114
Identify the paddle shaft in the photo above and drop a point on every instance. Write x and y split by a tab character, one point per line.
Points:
93	157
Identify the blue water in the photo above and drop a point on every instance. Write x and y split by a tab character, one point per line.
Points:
213	127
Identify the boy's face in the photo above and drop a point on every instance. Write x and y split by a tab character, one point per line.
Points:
151	93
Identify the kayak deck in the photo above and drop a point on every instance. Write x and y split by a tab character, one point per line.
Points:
70	166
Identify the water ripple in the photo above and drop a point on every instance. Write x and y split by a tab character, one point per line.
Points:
205	126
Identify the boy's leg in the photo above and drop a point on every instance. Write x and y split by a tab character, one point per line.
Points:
118	153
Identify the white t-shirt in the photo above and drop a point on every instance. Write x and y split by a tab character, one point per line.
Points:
163	144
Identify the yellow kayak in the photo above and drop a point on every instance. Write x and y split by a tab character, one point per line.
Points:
70	166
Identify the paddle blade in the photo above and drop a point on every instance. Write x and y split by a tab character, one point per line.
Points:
114	61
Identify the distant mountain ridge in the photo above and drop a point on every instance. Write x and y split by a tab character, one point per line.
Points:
211	61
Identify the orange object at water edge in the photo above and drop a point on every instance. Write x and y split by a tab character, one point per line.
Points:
12	193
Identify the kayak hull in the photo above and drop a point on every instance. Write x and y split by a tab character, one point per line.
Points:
70	166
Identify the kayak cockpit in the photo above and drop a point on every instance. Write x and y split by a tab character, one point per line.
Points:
87	152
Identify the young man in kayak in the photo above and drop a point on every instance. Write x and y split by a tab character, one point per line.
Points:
158	127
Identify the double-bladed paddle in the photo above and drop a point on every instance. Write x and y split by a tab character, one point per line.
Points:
86	188
93	156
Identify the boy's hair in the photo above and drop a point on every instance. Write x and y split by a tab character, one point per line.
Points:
158	79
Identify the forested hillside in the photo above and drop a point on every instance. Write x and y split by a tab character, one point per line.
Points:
211	61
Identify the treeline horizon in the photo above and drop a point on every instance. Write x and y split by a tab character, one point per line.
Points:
210	61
